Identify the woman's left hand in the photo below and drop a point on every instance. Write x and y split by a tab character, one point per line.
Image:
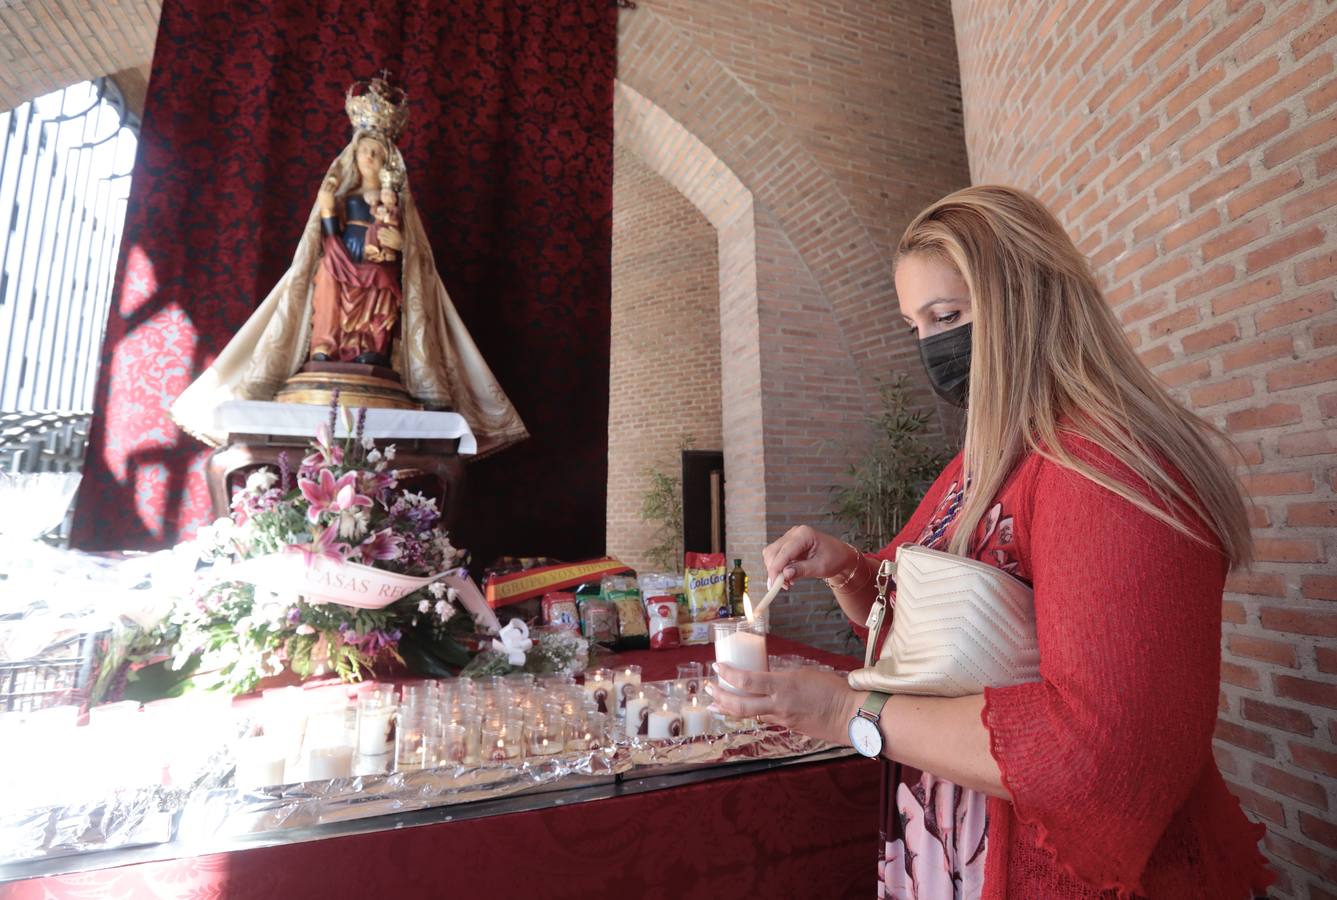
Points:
819	704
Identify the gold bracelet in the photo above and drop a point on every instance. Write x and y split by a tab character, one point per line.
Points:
854	570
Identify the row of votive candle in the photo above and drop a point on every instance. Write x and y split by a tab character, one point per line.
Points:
421	725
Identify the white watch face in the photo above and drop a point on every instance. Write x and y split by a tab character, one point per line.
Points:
865	736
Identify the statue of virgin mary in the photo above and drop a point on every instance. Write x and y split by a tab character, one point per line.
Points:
362	288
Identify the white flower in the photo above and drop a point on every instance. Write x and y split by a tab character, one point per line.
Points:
305	629
444	610
261	480
452	595
424	605
369	444
353	523
374	456
390	452
437	589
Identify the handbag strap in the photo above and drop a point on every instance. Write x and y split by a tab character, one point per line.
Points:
886	575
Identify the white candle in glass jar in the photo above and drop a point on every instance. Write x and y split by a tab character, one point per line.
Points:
624	684
741	644
599	688
664	723
375	728
260	762
637	720
329	762
695	718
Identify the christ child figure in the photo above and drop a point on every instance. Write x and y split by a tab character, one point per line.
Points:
384	239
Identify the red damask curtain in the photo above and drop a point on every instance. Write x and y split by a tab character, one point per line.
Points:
509	148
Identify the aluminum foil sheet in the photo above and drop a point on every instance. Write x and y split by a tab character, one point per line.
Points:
229	813
660	757
209	811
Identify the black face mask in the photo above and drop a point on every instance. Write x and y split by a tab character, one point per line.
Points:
946	357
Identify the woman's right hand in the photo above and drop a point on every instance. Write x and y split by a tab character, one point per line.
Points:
805	552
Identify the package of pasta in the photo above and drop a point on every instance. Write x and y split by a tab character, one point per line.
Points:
660	595
707	599
623	593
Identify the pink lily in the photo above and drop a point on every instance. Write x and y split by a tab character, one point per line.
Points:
327	452
323	546
383	544
325	493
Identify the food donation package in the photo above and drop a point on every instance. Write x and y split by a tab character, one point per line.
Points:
707	597
623	592
661	595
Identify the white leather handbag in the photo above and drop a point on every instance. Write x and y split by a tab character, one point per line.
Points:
959	626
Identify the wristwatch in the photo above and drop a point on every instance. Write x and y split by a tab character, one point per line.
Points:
865	736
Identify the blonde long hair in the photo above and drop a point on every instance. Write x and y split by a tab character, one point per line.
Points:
1049	357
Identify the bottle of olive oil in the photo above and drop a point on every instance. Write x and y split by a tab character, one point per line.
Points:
737	587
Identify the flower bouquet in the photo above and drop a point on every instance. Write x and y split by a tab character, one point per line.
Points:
332	567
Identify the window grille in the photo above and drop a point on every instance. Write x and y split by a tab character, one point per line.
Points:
65	163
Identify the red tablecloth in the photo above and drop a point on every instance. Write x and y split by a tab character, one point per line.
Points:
807	830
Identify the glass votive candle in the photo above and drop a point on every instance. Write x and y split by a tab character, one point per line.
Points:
599	688
554	680
375	726
691	673
664	721
590	732
625	681
260	762
454	744
695	717
741	644
543	736
332	761
636	720
473	727
499	745
410	737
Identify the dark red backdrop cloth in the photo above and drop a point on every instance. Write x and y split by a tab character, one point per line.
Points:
509	149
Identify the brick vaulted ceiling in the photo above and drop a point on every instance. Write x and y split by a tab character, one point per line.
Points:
49	44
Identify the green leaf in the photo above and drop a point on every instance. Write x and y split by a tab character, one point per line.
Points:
159	680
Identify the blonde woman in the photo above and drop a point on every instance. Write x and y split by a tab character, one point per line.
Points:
1083	477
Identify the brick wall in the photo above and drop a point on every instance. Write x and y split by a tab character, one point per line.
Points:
840	121
664	379
1191	150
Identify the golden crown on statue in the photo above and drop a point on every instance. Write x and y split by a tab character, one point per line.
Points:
377	106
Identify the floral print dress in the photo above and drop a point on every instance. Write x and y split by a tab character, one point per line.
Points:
934	832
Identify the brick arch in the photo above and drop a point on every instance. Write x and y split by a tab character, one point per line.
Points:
51	46
663	63
681	159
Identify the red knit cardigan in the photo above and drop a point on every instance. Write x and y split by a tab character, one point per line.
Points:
1108	757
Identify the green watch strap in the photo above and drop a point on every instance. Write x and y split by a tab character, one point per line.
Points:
873	705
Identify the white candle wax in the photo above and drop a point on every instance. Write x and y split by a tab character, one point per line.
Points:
376	731
695	719
260	762
741	650
599	690
638	715
664	723
329	762
624	684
